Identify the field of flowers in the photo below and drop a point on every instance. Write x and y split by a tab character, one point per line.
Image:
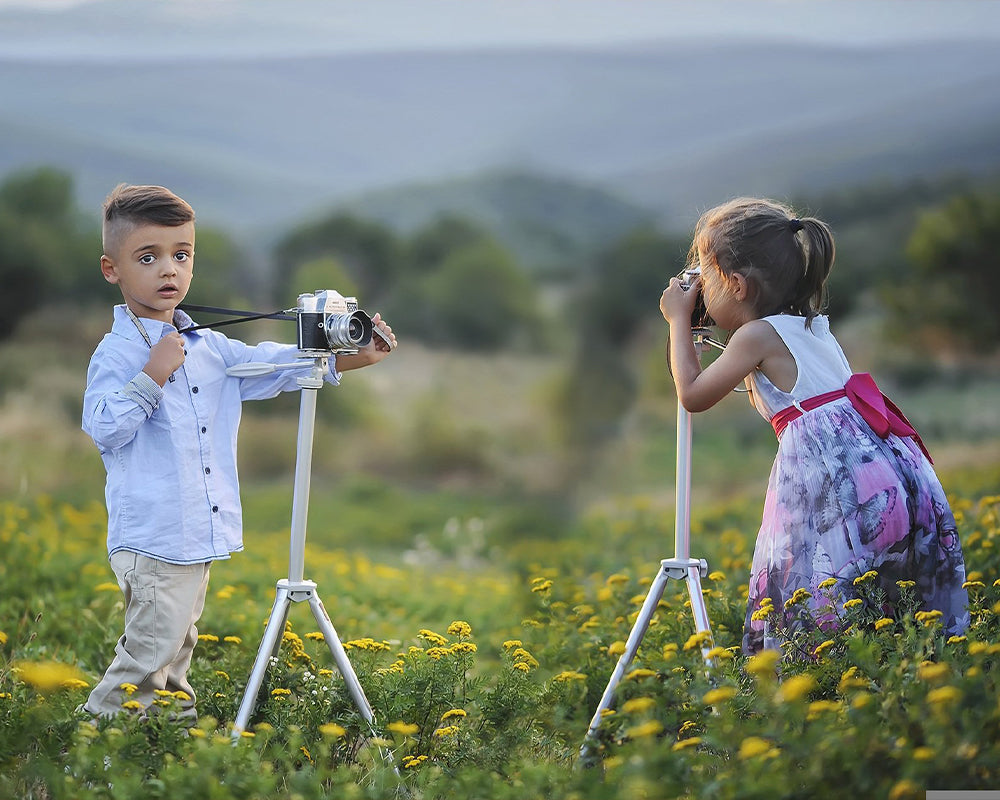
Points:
484	678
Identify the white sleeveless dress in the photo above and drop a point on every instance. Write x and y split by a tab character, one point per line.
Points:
841	502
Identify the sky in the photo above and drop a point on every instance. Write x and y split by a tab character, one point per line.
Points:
240	28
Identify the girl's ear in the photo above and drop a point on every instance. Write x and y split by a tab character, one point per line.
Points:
738	283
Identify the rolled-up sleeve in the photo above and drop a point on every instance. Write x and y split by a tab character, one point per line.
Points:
116	403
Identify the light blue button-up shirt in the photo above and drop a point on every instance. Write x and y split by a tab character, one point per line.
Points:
170	453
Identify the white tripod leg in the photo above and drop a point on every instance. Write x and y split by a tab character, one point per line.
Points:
269	646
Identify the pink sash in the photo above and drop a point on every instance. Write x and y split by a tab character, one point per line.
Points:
875	408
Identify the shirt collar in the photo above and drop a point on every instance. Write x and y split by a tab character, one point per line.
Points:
156	329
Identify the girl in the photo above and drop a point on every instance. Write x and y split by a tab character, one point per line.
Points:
851	492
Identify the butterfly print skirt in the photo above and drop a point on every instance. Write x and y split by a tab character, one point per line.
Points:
842	502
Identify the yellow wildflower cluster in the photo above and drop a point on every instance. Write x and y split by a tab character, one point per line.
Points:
431	637
541	585
699	639
764	609
403	728
569	675
638	705
854	602
367	644
409	762
868	576
332	730
756	747
829	583
447	730
928	618
800	595
795	688
460	628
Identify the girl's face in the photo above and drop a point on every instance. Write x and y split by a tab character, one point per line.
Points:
725	296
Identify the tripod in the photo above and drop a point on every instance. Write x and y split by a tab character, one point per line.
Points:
680	567
294	589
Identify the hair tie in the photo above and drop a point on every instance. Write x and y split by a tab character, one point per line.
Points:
795	224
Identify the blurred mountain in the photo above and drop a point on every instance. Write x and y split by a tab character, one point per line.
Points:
258	143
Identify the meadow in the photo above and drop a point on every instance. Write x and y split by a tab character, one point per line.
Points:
482	618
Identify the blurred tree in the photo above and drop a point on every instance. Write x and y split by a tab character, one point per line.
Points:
46	250
431	245
367	250
477	298
951	301
221	274
622	297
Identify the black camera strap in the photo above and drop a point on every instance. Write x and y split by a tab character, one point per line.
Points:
241	316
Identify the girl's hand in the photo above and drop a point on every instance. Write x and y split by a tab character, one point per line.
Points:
677	303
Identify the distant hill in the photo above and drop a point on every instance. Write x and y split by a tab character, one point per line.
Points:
257	144
547	222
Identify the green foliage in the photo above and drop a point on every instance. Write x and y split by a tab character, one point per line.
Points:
44	250
494	703
957	273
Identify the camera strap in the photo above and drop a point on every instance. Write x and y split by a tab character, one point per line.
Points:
241	316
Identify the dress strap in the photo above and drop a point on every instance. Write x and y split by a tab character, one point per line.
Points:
881	414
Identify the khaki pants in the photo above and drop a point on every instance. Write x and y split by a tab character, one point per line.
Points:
162	604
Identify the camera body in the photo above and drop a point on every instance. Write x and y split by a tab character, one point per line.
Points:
700	317
330	323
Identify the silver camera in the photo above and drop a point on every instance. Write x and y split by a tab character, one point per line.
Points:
699	317
328	322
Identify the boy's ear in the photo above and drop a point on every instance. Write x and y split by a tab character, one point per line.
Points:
108	270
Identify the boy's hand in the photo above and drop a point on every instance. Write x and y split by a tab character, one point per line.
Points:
374	351
677	303
165	357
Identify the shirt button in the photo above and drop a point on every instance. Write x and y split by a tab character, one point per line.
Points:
215	509
194	389
208	470
204	429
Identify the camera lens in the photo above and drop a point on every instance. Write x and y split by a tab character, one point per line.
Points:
348	331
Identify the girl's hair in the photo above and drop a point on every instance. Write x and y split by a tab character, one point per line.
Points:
786	260
135	205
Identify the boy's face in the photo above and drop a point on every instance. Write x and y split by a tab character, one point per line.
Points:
152	265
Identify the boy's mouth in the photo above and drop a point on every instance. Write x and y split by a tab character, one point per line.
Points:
167	290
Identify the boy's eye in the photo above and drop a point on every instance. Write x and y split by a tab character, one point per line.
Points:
181	256
147	258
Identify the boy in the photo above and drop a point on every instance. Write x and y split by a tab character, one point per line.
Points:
164	416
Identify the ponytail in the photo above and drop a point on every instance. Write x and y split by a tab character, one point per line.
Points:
815	242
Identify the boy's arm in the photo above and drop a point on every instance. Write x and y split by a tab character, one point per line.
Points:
117	401
374	352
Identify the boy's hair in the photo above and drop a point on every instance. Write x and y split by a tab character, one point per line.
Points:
786	260
127	206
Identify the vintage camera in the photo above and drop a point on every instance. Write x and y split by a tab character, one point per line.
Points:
331	323
699	317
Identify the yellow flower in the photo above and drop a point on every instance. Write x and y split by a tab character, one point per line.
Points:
638	705
197	733
819	707
263	727
719	652
885	622
683	744
460	628
542	586
754	746
795	688
944	695
247	734
932	672
3	638
511	644
280	692
568	675
640	673
107	586
721	695
928	618
455	712
409	762
181	695
617	578
717	576
207	637
162	693
763	663
823	647
46	676
128	688
332	730
432	637
906	584
649	728
973	585
233	640
868	576
403	728
829	583
976	648
906	790
616	648
222	674
699	639
956	639
924	753
448	730
461	648
853	603
132	705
